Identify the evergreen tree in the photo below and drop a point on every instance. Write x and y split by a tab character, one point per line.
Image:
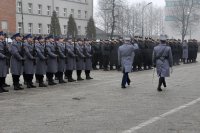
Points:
91	29
72	28
55	25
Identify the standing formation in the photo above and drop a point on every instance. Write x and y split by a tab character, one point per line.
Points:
55	57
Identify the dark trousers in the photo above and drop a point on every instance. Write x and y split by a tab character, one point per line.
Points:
105	61
15	80
87	73
29	78
69	73
125	79
40	78
78	72
2	81
162	82
50	76
59	75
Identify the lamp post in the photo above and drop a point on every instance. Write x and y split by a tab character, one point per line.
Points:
143	18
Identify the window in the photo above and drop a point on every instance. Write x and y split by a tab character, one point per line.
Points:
40	9
4	25
48	28
39	28
30	28
20	27
48	10
30	8
57	11
19	7
79	13
65	12
79	30
86	14
72	12
65	29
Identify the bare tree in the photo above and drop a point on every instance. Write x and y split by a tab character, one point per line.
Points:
183	15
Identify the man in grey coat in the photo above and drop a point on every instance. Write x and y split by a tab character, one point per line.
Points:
52	61
30	61
125	59
88	59
185	51
71	63
80	63
17	60
162	60
41	59
3	64
62	58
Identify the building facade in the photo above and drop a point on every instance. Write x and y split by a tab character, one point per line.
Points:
35	15
172	9
8	16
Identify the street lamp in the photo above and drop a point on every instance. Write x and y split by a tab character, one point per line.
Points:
143	18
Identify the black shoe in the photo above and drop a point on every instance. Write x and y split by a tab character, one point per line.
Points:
6	85
129	83
71	80
62	81
123	87
159	89
33	86
42	85
18	88
52	83
4	90
1	91
89	78
80	79
165	85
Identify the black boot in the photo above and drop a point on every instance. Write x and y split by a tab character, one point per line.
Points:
33	86
51	83
28	85
164	83
79	78
159	85
4	90
18	87
6	85
41	84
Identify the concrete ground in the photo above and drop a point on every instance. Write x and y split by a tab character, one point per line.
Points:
101	106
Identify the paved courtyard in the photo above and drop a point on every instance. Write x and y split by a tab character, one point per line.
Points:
101	106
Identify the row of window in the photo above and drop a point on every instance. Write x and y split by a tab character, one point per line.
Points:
179	2
49	11
43	30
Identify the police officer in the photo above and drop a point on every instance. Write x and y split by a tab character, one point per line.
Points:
185	51
17	60
125	58
30	60
3	64
88	61
80	62
162	60
41	59
52	61
71	63
62	58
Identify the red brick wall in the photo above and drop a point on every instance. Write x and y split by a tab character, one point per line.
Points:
8	13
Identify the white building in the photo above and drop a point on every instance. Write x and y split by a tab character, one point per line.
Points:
37	14
171	30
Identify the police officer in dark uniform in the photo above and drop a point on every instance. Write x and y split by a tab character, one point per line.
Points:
62	58
30	60
17	60
80	62
52	61
3	62
41	59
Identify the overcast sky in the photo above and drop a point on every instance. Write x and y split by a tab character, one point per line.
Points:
155	2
